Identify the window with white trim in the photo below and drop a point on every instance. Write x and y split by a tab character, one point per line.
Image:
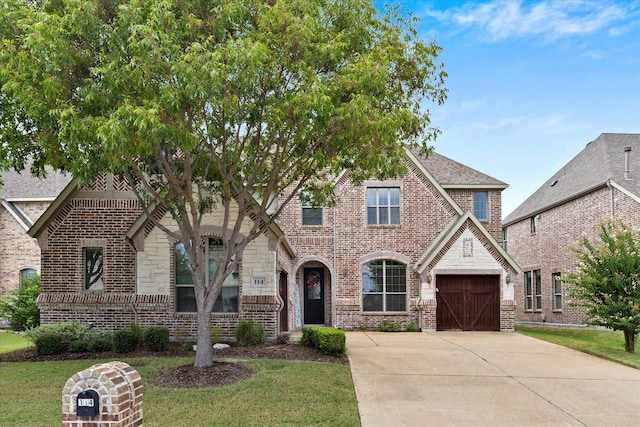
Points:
383	206
532	290
27	274
227	301
311	215
384	286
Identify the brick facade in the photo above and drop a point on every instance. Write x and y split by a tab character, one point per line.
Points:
139	281
549	248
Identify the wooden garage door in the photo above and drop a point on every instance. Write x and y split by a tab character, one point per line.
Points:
468	303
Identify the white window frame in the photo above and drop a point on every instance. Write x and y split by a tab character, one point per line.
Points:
479	209
391	210
384	293
556	283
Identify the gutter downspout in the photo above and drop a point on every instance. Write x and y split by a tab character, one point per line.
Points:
334	290
612	211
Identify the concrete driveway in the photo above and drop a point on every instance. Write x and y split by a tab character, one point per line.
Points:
486	379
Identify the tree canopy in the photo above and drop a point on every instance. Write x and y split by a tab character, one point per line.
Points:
607	279
214	103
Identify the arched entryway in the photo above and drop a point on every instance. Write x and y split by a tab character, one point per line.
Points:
313	282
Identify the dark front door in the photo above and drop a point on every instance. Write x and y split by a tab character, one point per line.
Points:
284	313
314	296
468	303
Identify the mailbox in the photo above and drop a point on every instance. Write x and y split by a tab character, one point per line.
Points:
88	404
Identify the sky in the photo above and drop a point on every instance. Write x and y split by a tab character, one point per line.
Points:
531	82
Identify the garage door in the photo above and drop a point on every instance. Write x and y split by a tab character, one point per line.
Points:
468	303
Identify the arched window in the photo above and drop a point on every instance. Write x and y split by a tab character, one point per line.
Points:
384	286
227	301
26	274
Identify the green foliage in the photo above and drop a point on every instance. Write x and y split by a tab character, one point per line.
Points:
187	346
156	338
20	308
249	332
125	341
363	327
138	332
78	346
216	334
100	345
48	344
607	279
389	326
411	327
233	101
70	331
327	340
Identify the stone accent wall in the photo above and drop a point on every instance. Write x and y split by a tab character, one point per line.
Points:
558	229
18	250
119	388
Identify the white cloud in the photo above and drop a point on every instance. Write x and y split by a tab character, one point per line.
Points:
549	19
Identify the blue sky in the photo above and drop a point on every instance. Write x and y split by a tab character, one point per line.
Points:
532	82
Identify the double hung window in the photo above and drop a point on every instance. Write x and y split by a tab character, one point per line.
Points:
383	206
227	301
480	205
532	290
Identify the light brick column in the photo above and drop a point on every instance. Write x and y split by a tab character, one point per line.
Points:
120	389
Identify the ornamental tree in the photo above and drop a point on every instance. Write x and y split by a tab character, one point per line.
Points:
215	104
607	280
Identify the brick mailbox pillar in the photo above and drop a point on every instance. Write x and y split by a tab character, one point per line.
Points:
105	395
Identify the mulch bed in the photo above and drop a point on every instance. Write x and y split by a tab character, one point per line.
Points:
223	372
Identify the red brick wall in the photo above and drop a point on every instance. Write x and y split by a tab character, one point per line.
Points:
549	249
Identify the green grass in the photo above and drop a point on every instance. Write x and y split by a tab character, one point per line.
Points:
282	393
10	341
602	343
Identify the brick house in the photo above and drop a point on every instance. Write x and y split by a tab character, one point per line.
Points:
23	198
602	181
381	253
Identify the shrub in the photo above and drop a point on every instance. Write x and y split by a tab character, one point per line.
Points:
411	327
99	345
187	346
138	332
363	327
216	334
327	340
332	341
20	308
249	332
125	341
389	326
78	346
156	338
48	344
69	331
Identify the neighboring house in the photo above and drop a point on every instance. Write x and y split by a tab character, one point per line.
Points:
23	198
602	181
423	250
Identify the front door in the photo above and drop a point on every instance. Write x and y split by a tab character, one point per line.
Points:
284	313
314	296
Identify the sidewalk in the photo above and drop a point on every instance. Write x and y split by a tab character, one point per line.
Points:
486	379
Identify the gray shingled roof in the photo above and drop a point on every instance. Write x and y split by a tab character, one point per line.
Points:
20	186
450	173
601	160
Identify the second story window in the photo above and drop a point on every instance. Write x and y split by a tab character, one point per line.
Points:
480	205
383	206
311	215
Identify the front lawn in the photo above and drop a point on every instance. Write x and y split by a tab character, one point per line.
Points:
281	393
10	341
602	343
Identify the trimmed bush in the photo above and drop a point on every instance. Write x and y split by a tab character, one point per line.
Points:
100	345
249	332
48	344
125	341
389	326
328	340
138	332
78	346
69	331
156	338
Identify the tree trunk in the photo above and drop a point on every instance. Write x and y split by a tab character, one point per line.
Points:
630	341
204	350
